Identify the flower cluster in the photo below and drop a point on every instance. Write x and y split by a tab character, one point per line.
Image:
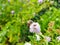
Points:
27	43
12	12
35	28
47	38
58	38
40	1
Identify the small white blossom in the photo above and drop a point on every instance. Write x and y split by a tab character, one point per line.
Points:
40	1
35	28
8	0
48	38
58	38
37	37
12	12
27	43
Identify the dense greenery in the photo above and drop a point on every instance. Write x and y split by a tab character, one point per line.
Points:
14	15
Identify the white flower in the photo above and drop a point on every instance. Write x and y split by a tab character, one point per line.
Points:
12	12
27	43
47	38
8	0
35	28
58	38
37	37
40	1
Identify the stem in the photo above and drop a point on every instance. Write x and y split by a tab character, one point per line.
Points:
46	42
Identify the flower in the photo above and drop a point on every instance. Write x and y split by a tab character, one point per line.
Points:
37	37
12	12
47	38
8	0
35	28
27	43
40	1
58	38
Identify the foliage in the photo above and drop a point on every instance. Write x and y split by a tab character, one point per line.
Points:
14	15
